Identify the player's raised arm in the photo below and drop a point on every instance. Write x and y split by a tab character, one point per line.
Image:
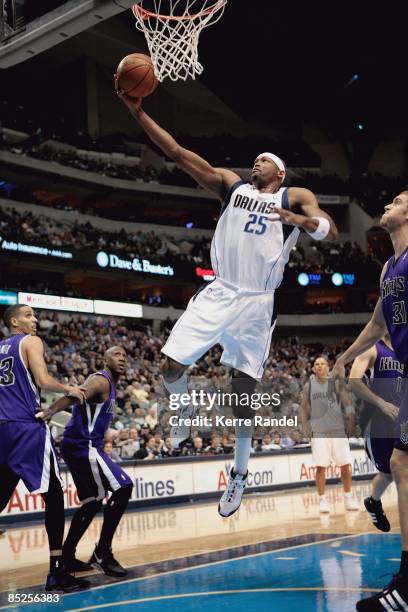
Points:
306	213
215	180
33	354
362	363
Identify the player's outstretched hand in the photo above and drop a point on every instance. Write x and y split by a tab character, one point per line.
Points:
288	217
133	104
337	375
389	409
76	392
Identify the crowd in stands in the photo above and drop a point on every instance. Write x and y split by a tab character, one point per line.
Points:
38	229
140	429
318	257
371	190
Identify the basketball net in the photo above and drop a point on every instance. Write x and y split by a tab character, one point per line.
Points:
172	38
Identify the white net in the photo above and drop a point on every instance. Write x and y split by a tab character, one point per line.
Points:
172	29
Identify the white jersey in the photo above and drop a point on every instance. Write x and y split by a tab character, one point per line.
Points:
325	414
251	246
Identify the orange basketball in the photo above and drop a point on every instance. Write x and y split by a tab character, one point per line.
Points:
136	76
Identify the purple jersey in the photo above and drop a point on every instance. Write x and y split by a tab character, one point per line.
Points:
89	423
386	382
394	302
19	396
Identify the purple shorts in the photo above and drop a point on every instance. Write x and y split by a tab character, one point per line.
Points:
27	449
93	471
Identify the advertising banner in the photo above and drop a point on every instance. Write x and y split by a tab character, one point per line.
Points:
197	478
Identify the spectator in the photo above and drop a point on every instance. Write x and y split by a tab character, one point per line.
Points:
110	451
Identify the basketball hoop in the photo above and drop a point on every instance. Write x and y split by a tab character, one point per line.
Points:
172	38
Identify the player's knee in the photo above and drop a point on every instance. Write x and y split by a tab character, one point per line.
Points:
243	387
172	370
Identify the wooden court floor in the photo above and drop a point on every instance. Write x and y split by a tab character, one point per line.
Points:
160	534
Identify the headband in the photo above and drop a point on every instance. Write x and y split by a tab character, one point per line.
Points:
275	159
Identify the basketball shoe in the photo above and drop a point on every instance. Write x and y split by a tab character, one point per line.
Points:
181	432
350	503
106	563
231	499
62	581
324	507
377	514
393	597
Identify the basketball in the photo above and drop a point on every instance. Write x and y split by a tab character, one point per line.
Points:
136	76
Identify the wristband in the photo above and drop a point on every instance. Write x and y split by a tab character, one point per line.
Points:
350	409
322	229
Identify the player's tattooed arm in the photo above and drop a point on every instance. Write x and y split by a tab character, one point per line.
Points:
360	365
95	390
215	180
304	411
33	355
305	212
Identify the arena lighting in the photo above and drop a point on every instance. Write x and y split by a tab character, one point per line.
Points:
337	279
8	298
303	279
190	224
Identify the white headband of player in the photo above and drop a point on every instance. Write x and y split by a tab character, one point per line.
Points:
275	159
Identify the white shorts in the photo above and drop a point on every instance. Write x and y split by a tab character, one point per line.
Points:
241	321
336	449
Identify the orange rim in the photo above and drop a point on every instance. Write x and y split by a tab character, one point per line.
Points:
140	12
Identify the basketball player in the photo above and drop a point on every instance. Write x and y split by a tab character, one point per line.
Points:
323	420
258	226
377	418
26	446
93	472
390	314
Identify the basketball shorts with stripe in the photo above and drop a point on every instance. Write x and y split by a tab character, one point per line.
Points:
93	471
27	449
242	322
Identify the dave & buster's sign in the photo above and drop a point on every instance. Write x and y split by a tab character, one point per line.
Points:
109	261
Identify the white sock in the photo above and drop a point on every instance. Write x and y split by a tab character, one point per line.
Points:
243	444
322	496
177	387
348	495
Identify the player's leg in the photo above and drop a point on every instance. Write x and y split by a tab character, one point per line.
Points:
32	457
321	455
395	595
8	483
341	454
175	382
246	341
91	490
379	450
346	479
79	524
243	387
113	479
103	557
58	577
196	331
399	467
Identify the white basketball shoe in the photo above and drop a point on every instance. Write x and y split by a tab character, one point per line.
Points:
231	498
181	432
324	507
350	503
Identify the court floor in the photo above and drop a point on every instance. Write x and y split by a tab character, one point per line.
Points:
277	553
